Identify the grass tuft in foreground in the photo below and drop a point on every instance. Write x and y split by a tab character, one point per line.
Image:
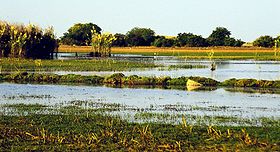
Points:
76	129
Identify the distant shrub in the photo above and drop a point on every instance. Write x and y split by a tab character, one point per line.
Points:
191	40
120	40
161	41
264	41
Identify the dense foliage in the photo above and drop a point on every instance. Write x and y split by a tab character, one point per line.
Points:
162	41
120	40
80	34
17	40
264	41
146	37
221	37
140	37
191	40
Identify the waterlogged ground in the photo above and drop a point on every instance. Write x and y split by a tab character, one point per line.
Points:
137	104
225	69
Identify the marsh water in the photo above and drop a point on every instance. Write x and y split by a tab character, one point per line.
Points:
225	69
219	102
244	103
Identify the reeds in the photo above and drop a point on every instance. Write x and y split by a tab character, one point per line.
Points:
20	41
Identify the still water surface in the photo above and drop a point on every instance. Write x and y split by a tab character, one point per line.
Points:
226	69
214	103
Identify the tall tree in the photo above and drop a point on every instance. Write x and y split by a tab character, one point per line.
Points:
140	36
80	34
219	36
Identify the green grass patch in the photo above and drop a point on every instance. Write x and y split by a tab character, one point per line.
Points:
10	64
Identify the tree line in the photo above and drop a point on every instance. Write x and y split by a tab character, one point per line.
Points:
80	34
31	41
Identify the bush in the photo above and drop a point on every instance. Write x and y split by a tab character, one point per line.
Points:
115	79
161	41
264	41
120	40
191	40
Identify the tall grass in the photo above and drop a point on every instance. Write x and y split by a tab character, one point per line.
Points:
20	41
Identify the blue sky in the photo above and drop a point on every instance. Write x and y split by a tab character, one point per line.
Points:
246	19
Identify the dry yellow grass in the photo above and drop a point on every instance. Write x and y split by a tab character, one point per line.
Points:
86	49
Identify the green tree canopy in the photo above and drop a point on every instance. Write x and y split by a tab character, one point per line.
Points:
218	36
190	40
140	37
120	40
233	42
264	41
80	34
162	41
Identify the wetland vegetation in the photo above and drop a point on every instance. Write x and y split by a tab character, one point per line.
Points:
15	64
88	121
119	79
76	128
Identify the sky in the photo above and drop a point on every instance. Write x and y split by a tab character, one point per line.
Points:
246	19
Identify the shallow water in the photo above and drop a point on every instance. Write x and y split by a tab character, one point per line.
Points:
226	69
211	103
